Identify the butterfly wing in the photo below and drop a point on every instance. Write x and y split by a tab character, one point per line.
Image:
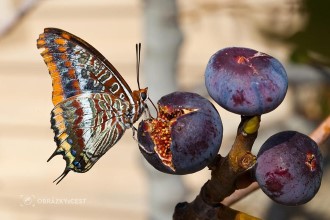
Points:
76	67
86	126
90	96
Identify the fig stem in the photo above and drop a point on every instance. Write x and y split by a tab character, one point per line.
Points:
225	171
224	175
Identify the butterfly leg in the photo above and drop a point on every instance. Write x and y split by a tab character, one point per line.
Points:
134	129
147	112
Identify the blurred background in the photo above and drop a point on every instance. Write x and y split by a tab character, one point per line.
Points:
178	38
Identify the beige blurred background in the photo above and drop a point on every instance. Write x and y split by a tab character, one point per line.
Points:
117	187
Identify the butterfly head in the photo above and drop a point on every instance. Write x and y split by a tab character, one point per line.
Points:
140	97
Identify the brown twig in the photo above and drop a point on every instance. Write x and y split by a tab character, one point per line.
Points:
198	209
322	132
240	194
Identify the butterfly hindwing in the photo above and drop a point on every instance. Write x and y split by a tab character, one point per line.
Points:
86	126
77	67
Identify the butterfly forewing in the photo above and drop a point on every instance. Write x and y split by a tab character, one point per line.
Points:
77	67
93	103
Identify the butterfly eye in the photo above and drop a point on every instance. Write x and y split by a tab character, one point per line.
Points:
143	96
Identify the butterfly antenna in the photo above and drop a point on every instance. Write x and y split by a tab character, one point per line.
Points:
61	177
138	61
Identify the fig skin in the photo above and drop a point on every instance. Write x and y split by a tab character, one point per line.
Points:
289	168
194	133
245	81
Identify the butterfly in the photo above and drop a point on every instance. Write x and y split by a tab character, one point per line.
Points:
93	104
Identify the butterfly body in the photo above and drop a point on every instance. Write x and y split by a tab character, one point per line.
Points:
93	103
